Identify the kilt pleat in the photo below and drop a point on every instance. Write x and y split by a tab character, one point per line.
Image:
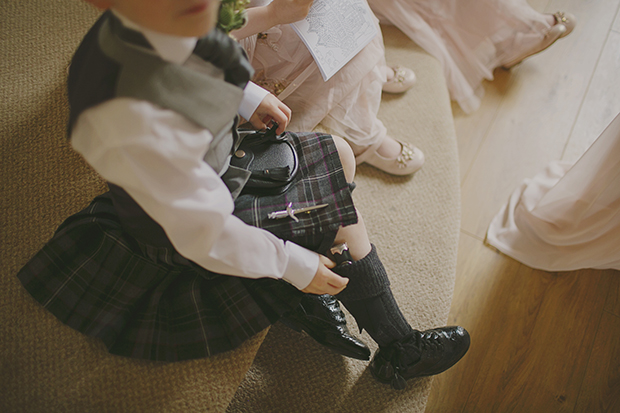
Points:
150	302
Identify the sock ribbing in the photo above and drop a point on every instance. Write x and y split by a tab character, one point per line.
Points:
367	276
370	300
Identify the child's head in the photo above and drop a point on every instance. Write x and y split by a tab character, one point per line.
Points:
178	17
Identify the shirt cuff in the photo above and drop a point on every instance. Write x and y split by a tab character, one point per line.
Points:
253	95
302	266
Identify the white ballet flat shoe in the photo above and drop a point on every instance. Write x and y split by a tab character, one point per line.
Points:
407	162
402	80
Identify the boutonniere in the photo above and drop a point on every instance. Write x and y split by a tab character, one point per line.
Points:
232	15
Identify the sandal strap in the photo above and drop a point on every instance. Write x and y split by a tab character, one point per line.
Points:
362	157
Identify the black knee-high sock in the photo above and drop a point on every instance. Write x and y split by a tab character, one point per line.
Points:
370	300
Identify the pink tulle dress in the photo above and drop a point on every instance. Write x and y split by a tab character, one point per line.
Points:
347	104
469	37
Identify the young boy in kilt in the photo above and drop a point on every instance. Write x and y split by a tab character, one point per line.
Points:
176	261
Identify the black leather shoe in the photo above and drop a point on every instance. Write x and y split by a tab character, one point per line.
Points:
431	352
321	317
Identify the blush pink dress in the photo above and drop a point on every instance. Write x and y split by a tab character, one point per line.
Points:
347	104
469	37
568	216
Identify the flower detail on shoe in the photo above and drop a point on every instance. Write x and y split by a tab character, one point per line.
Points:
407	154
402	80
409	160
566	19
560	17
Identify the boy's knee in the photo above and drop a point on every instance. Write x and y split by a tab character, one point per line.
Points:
347	158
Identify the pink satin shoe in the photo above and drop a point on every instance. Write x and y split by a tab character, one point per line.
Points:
407	162
564	25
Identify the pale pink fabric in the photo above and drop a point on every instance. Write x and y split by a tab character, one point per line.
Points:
469	37
347	104
567	217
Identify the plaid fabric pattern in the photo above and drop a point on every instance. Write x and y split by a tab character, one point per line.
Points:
320	180
151	303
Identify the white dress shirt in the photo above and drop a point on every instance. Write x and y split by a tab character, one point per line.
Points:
156	155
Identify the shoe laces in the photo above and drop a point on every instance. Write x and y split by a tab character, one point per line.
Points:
395	357
416	342
428	341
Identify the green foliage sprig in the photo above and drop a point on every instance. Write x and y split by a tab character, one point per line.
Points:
232	15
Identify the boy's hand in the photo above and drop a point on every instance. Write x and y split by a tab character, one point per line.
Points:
289	11
271	108
326	281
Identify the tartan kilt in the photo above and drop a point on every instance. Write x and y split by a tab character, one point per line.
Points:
151	303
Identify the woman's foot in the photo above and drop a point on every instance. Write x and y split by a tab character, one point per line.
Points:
399	79
392	156
561	25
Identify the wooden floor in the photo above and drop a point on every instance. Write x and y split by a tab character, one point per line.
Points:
541	342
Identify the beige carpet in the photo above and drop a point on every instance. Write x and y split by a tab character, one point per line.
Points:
47	367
